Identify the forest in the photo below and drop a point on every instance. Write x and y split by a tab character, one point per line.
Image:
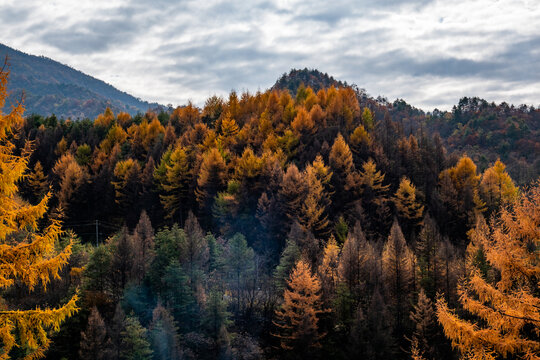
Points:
276	225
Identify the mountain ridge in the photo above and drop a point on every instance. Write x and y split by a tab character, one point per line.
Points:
51	87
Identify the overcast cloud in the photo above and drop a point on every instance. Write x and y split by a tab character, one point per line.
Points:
430	53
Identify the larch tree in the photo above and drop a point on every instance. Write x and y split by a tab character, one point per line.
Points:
297	318
398	272
32	261
211	179
93	339
407	204
328	269
425	328
342	165
176	185
507	308
497	187
143	247
37	183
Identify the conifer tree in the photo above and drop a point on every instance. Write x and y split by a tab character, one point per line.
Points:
37	183
406	202
143	246
297	318
497	187
211	179
289	257
425	328
398	272
367	119
93	339
176	185
31	261
135	344
508	309
163	335
328	270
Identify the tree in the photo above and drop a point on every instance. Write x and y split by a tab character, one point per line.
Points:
163	335
398	272
176	185
497	187
143	246
342	165
406	203
328	270
135	344
425	322
367	119
508	307
297	318
37	183
289	257
93	339
31	261
211	178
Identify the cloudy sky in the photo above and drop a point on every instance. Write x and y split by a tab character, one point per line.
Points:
429	53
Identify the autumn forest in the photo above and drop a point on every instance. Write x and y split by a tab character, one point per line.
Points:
303	222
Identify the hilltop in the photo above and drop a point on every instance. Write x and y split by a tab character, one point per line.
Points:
54	88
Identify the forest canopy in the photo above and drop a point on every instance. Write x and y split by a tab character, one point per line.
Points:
269	225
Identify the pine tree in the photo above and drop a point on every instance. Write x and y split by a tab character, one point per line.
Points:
367	119
32	261
163	335
93	339
297	318
176	184
508	309
135	344
289	257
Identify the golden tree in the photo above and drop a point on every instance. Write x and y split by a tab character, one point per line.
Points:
176	182
298	317
508	308
497	187
406	203
33	261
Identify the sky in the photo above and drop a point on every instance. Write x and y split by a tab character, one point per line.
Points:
429	53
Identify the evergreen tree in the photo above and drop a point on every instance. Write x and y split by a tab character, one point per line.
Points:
135	344
163	335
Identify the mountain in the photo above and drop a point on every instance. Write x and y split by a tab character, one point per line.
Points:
54	88
312	78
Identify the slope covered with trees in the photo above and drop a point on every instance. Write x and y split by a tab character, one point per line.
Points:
271	226
53	88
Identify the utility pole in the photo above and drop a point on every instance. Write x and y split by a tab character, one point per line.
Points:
97	233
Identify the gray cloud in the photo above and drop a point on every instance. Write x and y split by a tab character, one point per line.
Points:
429	52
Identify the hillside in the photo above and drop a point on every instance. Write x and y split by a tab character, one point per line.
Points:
53	88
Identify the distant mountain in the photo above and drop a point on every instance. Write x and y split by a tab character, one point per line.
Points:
53	88
312	78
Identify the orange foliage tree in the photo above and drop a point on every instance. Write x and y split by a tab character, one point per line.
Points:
508	308
298	317
32	261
